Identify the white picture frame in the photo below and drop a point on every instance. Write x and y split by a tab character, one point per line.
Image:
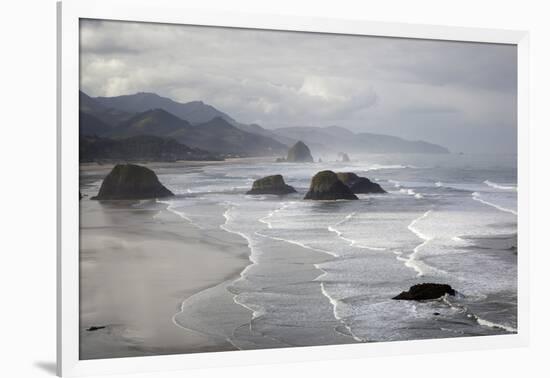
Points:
165	11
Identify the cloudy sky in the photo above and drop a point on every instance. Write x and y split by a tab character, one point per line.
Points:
460	95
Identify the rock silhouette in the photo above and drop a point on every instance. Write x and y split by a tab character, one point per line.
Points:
299	153
325	185
426	291
358	184
129	181
271	185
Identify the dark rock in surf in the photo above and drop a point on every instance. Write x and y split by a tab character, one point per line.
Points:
95	328
358	184
365	186
271	185
129	181
299	153
425	291
79	195
348	178
325	185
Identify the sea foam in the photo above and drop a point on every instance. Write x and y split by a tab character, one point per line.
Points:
500	186
411	261
171	208
477	197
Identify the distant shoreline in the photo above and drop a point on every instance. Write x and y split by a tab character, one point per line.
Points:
175	164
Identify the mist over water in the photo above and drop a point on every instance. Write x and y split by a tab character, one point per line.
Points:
325	272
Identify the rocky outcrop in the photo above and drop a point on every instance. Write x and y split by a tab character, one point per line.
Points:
271	185
358	184
426	291
325	185
129	181
344	158
299	153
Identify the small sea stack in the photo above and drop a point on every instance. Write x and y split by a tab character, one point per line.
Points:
325	185
425	291
299	153
130	182
271	185
344	158
358	184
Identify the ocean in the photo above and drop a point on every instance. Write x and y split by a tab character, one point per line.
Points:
324	272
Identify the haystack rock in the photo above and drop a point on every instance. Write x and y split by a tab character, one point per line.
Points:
271	185
299	153
425	291
344	158
358	184
325	185
129	181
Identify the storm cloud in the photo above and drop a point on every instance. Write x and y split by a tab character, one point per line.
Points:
461	95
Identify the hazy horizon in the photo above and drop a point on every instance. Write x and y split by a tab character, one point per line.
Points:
457	94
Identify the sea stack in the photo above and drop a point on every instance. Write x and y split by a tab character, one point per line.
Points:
299	153
129	181
344	158
425	291
358	184
325	185
271	185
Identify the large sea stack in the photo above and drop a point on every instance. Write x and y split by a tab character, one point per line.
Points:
358	184
129	181
271	185
299	153
325	185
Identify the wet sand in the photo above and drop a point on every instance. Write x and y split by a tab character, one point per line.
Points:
138	263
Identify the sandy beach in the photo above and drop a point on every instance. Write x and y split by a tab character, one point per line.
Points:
138	262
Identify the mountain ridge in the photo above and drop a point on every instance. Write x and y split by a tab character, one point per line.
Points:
107	115
228	139
157	122
194	112
217	135
197	114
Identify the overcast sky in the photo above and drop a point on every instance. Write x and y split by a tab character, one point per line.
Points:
460	95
